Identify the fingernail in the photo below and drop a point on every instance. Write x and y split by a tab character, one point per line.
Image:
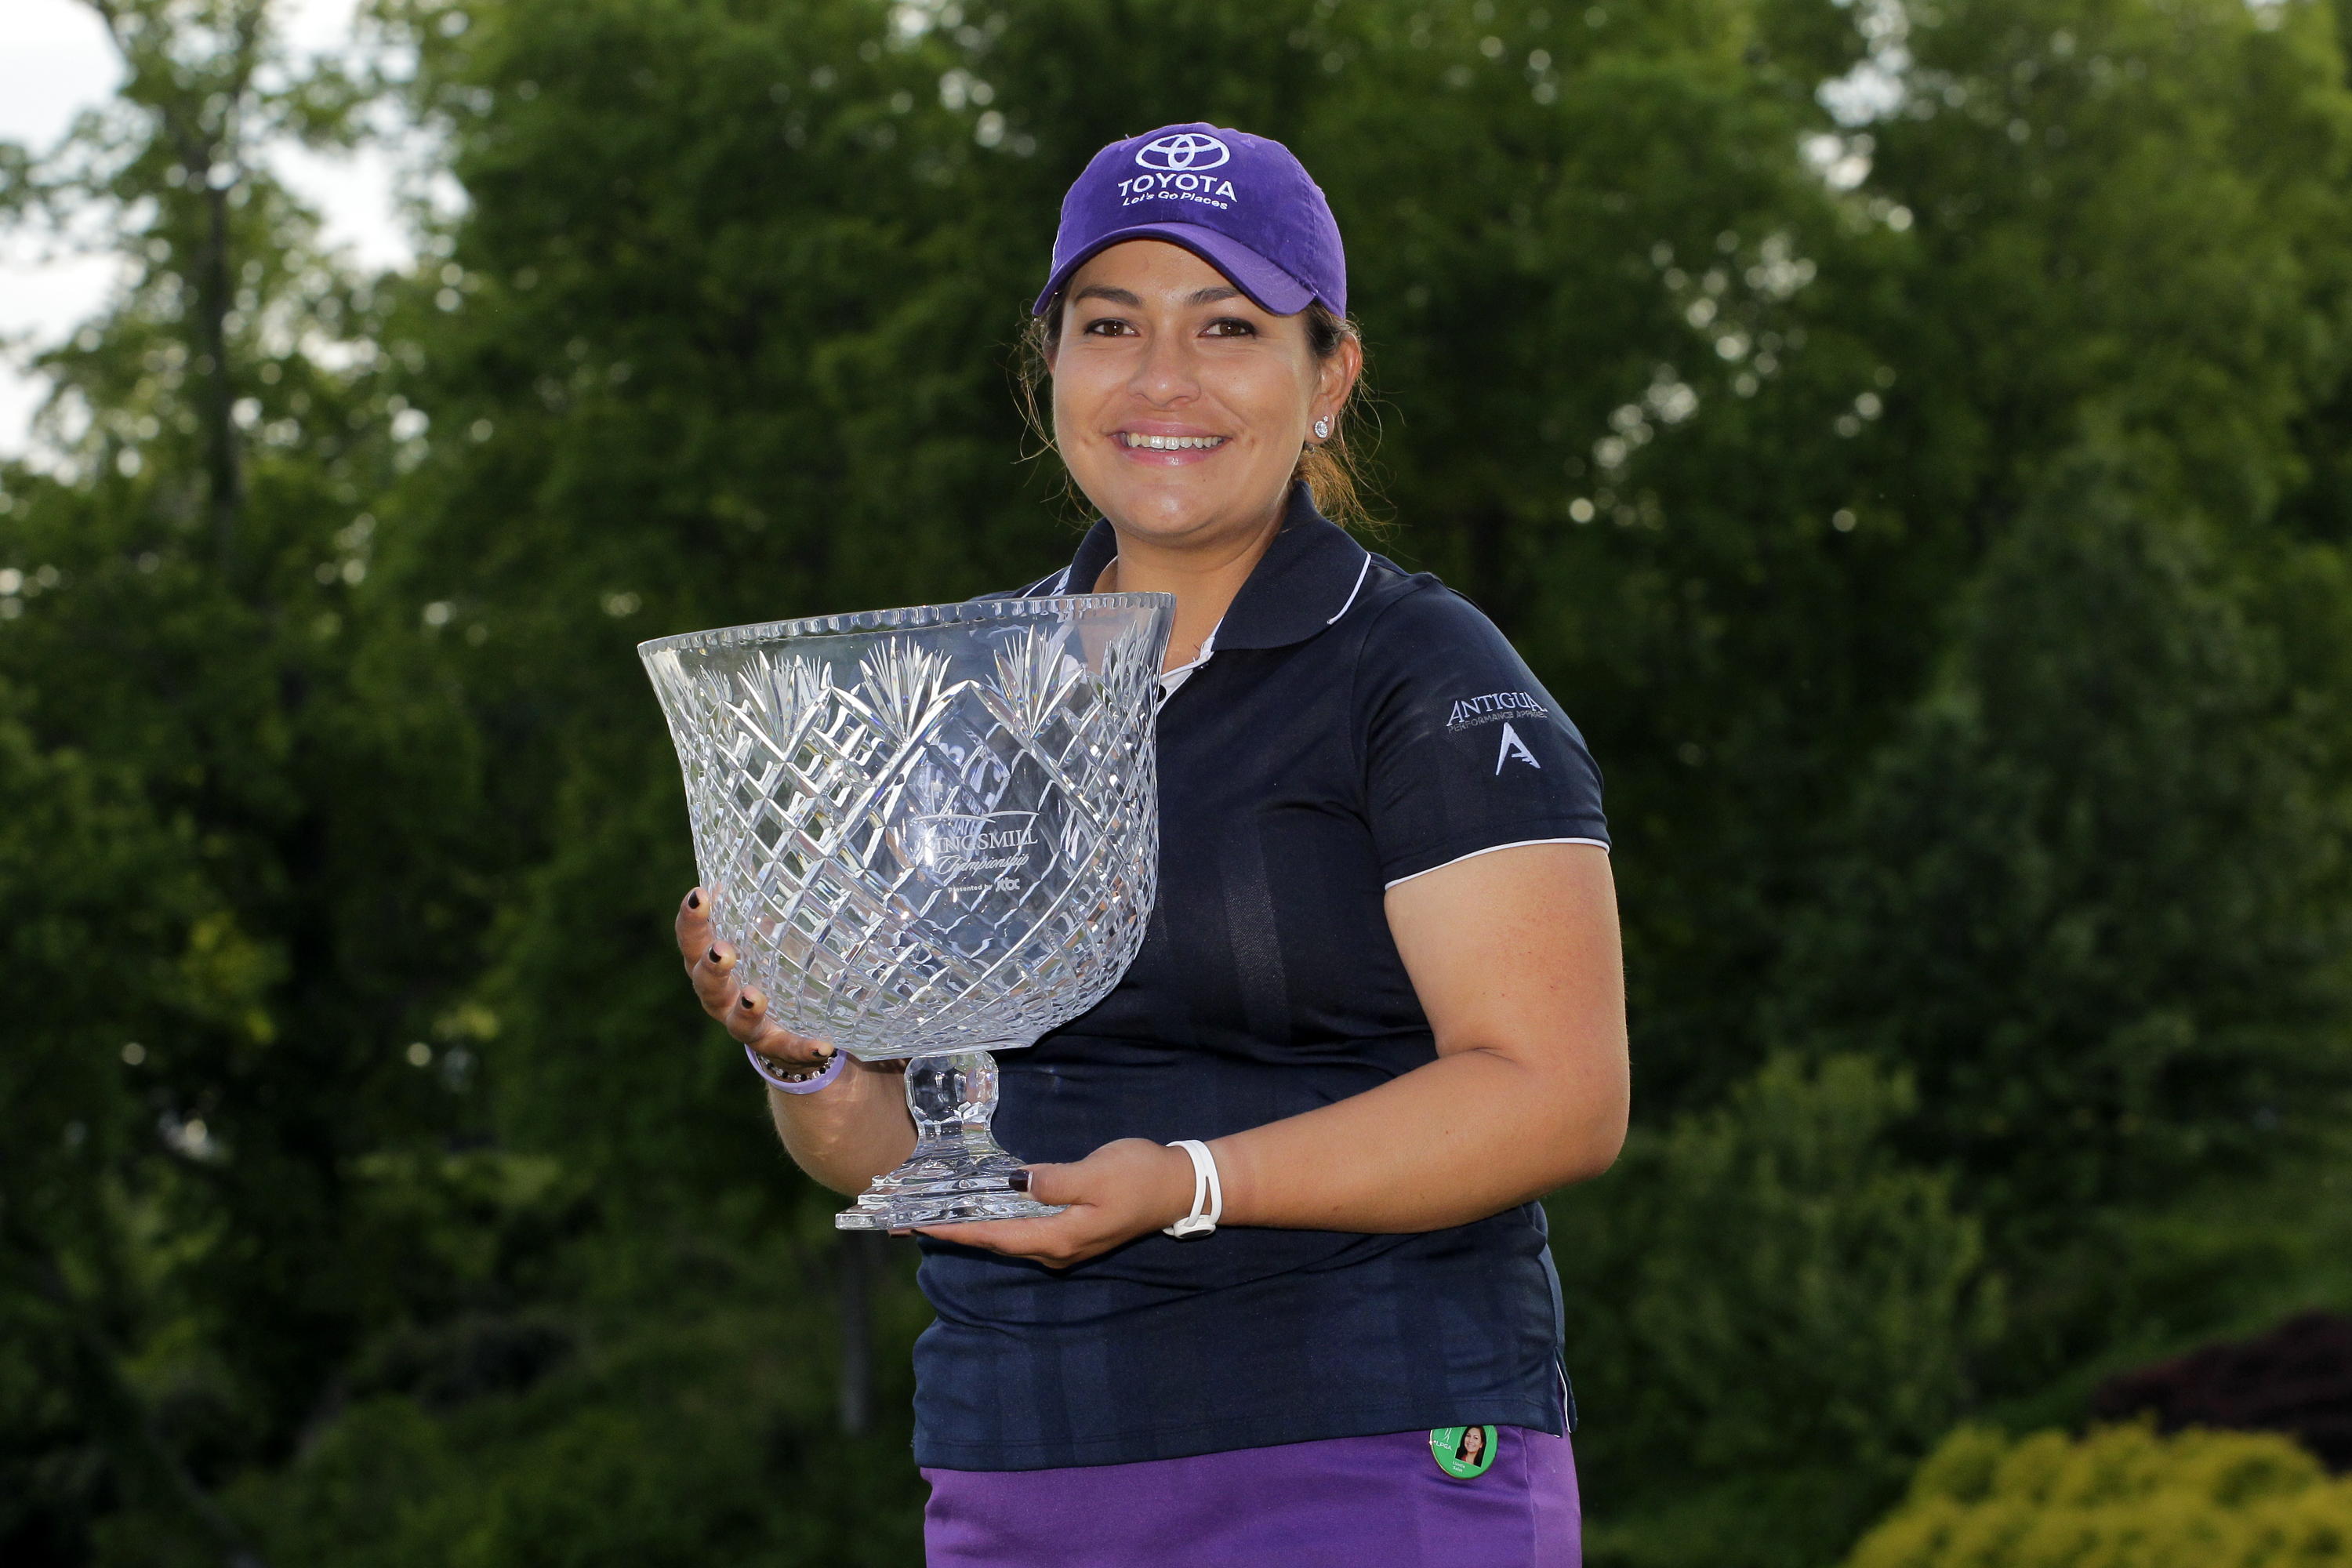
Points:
694	899
827	1053
714	957
1018	1180
745	1003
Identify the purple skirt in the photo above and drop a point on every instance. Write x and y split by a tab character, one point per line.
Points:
1343	1501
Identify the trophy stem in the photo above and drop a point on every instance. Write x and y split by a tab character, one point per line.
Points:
957	1170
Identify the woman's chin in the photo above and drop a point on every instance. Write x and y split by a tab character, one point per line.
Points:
1175	505
1169	525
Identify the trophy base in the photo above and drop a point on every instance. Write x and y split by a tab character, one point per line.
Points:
943	1186
958	1172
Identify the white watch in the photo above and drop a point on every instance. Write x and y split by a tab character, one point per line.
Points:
1208	1194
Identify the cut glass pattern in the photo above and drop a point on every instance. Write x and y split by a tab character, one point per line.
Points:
929	831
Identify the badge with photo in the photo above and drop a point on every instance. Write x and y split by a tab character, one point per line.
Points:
1463	1452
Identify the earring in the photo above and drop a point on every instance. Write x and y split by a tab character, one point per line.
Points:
1322	429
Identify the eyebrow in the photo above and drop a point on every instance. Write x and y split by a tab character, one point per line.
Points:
1208	296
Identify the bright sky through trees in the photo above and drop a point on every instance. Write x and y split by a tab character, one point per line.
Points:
56	64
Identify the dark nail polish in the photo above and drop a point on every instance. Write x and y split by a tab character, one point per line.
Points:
1018	1180
714	956
694	899
745	1004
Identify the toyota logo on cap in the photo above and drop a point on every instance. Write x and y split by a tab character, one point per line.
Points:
1243	204
1184	151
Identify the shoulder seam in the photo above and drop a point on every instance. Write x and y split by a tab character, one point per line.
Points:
1358	735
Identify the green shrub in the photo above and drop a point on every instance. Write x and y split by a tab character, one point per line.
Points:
2121	1498
1770	1318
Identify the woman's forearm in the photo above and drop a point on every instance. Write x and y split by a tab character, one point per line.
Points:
849	1131
1476	1131
1469	1135
1514	956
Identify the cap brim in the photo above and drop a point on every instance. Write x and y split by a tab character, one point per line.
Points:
1267	285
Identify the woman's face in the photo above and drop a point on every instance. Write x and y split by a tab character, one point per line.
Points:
1474	1442
1156	345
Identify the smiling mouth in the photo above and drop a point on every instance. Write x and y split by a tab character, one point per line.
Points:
1134	442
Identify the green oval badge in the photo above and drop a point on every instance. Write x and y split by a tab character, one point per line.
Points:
1463	1452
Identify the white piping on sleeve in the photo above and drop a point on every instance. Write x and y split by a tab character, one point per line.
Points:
1490	849
1361	573
1061	583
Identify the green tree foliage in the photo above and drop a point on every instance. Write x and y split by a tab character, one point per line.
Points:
2119	221
87	869
1769	1317
691	1434
2129	217
235	890
2092	895
2120	1498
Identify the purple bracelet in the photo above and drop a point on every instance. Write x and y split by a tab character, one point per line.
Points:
809	1085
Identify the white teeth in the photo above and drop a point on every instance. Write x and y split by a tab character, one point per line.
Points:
1171	443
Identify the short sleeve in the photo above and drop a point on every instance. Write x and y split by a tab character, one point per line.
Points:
1464	750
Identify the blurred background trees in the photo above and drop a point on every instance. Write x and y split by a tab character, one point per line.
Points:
1912	441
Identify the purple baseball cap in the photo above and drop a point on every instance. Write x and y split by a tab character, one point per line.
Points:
1240	203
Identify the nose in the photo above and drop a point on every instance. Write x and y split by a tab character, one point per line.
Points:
1168	375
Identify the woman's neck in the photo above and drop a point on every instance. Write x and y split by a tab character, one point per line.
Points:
1204	578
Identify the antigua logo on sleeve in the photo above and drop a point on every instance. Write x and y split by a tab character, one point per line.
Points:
1494	707
1514	747
1499	708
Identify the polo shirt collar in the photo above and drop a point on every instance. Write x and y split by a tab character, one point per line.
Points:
1308	577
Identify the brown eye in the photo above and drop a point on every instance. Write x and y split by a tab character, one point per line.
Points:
1231	327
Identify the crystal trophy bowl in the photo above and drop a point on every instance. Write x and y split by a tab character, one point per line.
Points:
932	834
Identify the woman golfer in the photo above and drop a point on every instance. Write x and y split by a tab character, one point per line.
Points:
1381	992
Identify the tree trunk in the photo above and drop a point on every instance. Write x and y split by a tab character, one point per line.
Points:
217	400
857	1271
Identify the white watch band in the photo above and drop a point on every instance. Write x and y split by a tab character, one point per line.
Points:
1208	1192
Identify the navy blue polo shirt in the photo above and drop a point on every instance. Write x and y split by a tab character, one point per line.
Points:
1353	725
